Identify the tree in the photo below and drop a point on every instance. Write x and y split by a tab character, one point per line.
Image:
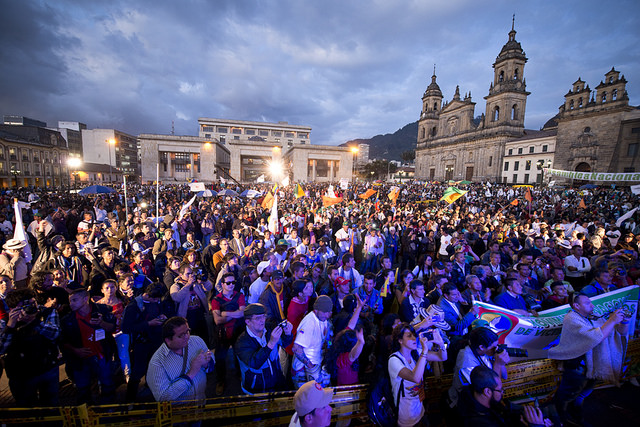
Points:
409	156
378	169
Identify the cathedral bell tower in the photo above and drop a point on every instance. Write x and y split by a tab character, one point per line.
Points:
507	94
431	105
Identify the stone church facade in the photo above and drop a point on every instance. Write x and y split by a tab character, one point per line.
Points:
451	145
596	132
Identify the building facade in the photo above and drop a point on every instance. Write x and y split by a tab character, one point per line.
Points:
112	148
32	156
318	163
72	132
452	144
181	159
525	157
598	131
280	134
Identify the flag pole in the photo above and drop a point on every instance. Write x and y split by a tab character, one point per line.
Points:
157	193
126	204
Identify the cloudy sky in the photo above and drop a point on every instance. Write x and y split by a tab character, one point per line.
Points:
347	68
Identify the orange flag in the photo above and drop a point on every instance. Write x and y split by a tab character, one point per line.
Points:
582	205
527	196
367	194
267	202
514	203
329	201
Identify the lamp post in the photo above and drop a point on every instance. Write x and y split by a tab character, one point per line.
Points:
15	172
110	141
354	150
74	163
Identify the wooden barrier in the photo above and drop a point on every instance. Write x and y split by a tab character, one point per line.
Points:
535	377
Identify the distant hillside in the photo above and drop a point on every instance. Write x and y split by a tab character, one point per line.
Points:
391	145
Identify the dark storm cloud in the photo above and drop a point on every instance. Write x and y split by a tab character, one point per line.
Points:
348	69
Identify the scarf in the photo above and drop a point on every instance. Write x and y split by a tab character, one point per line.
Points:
278	294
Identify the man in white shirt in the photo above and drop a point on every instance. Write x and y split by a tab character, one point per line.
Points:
445	240
349	272
343	238
258	286
313	332
576	268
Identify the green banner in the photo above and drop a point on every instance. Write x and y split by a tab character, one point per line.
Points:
595	176
538	334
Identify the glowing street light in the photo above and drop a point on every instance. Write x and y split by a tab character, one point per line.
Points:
74	163
111	142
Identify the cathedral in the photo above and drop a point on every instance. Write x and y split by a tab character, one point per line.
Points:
454	144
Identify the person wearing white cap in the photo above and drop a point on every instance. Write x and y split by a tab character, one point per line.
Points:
258	286
312	404
13	263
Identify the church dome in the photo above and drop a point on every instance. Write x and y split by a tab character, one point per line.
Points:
512	49
433	89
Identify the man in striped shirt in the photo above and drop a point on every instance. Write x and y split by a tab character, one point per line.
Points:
177	370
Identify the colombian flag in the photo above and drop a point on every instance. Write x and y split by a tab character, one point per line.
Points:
452	194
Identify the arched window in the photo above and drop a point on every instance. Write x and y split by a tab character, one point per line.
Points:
433	131
614	94
611	79
587	130
435	106
515	74
496	114
422	133
571	105
514	112
501	76
604	96
579	102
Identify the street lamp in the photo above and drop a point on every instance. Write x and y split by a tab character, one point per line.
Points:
111	142
354	150
74	163
15	172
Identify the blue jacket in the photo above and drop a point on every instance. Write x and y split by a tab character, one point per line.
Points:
505	300
458	325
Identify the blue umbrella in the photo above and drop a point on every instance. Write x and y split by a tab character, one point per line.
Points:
588	186
250	193
96	189
227	192
206	193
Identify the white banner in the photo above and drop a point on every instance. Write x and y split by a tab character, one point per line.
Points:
344	183
197	186
595	176
635	189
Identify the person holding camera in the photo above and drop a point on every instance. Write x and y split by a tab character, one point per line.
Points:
189	292
88	345
481	406
591	349
482	350
28	344
406	370
257	350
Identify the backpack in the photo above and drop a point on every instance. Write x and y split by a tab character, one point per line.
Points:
382	405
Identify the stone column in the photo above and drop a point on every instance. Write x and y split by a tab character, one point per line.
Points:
191	172
313	170
331	177
169	173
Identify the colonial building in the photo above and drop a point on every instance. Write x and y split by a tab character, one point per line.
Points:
525	157
32	156
452	144
597	131
181	159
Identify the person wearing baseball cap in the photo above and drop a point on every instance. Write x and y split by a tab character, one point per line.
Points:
312	404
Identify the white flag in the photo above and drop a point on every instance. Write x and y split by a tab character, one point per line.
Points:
197	186
626	216
635	189
260	178
19	233
183	210
222	180
273	218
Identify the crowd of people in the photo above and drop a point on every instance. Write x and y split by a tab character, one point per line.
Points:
181	295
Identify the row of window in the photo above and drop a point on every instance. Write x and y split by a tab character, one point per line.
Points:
28	154
253	132
25	169
532	150
526	178
516	165
603	99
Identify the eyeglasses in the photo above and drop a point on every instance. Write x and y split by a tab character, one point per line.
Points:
186	333
230	281
498	390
